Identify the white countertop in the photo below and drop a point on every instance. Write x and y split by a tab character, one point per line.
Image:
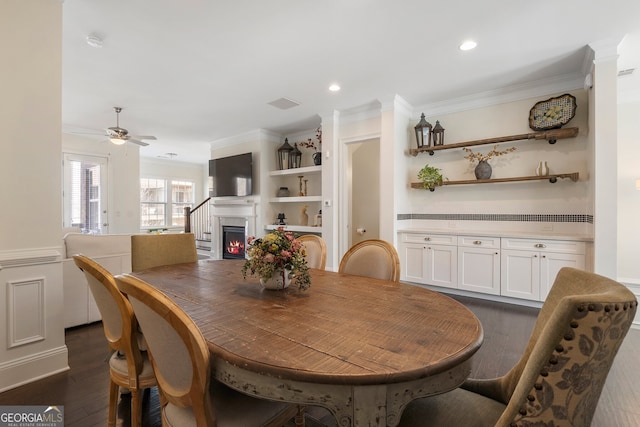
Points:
550	235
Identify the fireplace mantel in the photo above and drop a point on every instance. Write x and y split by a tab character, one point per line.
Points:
237	212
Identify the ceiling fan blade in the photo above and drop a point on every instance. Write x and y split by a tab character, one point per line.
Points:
143	137
135	141
88	133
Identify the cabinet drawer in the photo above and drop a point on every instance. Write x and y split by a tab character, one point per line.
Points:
479	242
564	246
436	239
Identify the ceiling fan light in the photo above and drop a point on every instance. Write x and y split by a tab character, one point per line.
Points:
117	141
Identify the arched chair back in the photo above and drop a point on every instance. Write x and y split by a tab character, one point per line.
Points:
181	361
316	250
128	366
153	250
560	376
372	258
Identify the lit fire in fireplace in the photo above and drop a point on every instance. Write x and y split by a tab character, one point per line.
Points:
235	247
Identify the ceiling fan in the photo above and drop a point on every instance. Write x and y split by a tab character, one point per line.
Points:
119	135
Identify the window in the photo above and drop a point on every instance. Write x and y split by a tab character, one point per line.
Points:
163	202
84	195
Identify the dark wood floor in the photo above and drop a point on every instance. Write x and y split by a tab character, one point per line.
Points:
83	389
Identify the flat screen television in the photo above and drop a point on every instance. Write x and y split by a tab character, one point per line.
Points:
231	176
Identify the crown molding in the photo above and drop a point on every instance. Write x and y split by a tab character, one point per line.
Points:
562	83
257	135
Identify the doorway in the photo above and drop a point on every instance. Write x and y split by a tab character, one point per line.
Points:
84	197
363	184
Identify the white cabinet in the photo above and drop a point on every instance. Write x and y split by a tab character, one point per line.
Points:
529	267
429	258
479	264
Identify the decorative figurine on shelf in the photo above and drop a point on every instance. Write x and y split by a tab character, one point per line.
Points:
300	193
305	187
317	222
281	219
304	218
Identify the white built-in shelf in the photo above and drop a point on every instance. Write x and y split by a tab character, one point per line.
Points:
307	170
295	228
296	199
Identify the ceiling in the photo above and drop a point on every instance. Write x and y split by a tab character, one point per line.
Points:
196	71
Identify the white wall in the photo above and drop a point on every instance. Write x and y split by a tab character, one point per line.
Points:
628	194
537	197
32	333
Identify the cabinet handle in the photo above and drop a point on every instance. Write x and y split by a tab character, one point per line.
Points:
535	256
544	256
540	245
427	239
477	242
497	253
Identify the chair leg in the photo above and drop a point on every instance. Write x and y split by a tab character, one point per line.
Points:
113	403
136	407
299	419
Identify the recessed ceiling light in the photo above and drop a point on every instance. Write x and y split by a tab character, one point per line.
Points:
468	45
94	40
334	87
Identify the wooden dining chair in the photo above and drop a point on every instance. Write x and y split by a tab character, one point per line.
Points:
153	250
181	361
559	378
372	258
316	250
129	367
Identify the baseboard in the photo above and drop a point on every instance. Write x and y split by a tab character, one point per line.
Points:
33	367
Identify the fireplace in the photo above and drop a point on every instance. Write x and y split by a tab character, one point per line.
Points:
233	242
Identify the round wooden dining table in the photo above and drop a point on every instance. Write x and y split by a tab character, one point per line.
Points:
362	348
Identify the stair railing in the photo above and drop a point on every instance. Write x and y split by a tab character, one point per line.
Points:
198	221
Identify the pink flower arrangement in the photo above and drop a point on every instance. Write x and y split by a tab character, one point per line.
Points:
276	251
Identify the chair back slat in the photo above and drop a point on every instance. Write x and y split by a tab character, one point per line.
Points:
372	258
153	250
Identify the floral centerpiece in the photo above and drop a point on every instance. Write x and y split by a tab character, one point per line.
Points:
277	253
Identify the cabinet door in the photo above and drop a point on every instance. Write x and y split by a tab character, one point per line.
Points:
442	266
550	264
520	274
412	261
479	270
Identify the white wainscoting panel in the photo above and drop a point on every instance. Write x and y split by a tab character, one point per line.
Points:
25	311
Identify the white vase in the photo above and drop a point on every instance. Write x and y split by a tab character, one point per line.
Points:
280	280
542	169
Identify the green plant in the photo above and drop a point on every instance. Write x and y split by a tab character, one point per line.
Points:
430	176
278	250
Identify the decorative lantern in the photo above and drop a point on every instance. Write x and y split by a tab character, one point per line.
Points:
295	157
423	132
438	134
283	155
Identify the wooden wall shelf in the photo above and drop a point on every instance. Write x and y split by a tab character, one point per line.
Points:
552	179
551	135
